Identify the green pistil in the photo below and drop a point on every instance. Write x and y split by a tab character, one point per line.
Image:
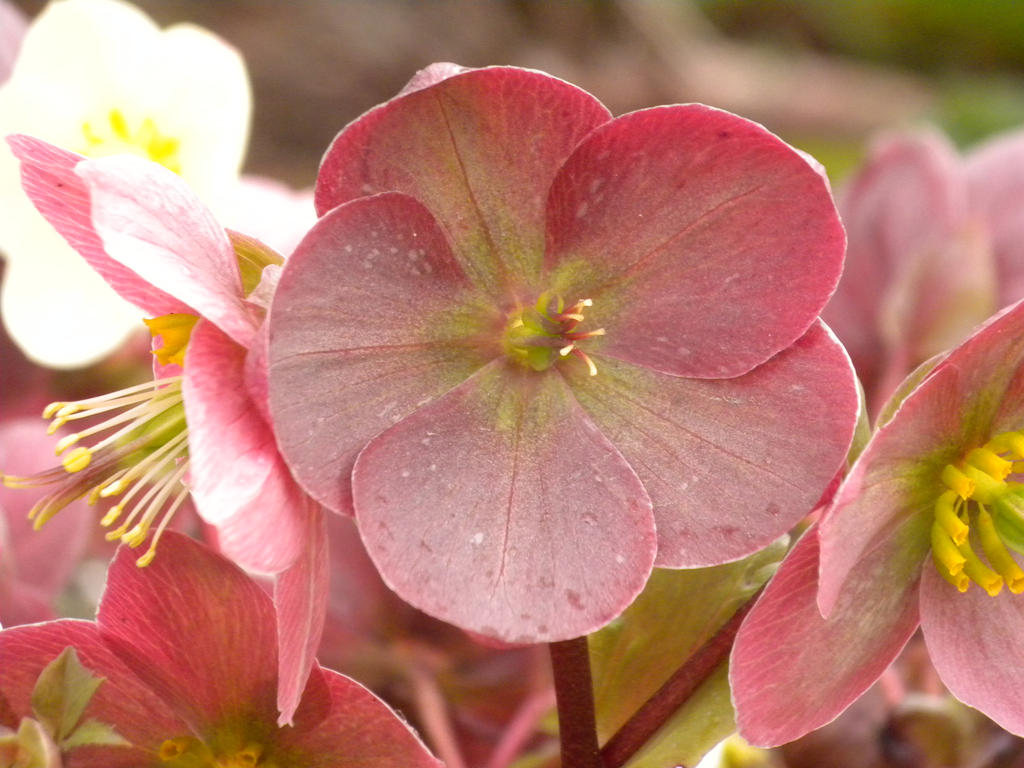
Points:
980	503
541	335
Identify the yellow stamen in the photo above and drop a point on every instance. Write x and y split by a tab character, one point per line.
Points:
946	552
174	331
957	481
990	463
77	460
997	554
946	516
980	573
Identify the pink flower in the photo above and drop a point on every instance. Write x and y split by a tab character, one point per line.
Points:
934	249
937	488
188	651
489	240
200	427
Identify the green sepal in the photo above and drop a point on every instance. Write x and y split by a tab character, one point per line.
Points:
62	692
31	746
93	733
678	611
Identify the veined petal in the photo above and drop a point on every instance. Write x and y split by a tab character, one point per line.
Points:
777	695
300	599
122	700
196	629
502	509
152	223
360	729
63	198
371	319
684	222
976	643
479	149
238	479
730	464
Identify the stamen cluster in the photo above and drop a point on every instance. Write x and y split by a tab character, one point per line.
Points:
541	335
982	499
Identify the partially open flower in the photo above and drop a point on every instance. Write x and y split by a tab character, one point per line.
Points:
928	525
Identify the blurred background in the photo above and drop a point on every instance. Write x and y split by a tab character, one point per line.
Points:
824	75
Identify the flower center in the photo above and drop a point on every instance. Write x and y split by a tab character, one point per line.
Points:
116	136
143	457
982	503
541	335
190	752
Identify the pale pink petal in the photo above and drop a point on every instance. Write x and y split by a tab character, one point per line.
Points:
683	224
12	29
152	223
995	178
432	75
976	643
365	327
123	701
479	149
45	558
792	671
49	179
730	464
359	730
300	596
908	198
196	629
238	479
501	508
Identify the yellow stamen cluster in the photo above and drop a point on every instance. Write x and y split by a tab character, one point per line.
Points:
174	331
143	455
981	502
117	137
541	335
190	752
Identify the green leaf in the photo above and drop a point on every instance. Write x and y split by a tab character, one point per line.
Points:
28	747
678	611
62	692
96	734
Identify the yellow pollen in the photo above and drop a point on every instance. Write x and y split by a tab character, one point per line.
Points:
174	331
118	137
946	516
77	460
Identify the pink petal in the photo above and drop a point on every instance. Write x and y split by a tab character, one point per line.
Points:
238	479
359	730
122	700
682	224
300	596
12	30
49	179
432	74
196	629
152	223
792	671
45	558
479	149
729	464
501	508
976	643
364	329
995	179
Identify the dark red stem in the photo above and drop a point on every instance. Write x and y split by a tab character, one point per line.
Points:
574	691
657	710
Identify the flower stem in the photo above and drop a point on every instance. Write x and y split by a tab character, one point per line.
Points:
574	691
683	683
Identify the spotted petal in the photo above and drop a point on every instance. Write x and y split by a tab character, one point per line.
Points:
501	508
479	149
730	464
685	223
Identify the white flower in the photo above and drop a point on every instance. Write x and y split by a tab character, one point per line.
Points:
99	77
